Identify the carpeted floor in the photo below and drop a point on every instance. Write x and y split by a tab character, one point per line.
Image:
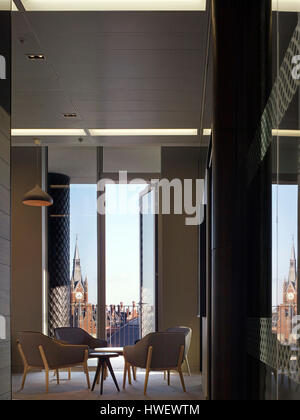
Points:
76	389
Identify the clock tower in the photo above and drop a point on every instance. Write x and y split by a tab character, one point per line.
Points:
288	309
83	313
290	286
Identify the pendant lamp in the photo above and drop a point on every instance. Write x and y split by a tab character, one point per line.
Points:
37	197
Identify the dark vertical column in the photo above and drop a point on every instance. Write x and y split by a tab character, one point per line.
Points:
59	251
241	217
101	271
5	236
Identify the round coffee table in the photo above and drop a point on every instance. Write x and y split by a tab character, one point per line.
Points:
103	361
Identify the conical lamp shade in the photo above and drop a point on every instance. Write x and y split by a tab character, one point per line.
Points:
37	198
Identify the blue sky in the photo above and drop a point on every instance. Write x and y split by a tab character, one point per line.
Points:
122	242
123	248
83	204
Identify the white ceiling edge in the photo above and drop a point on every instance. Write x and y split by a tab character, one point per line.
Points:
114	5
286	5
132	5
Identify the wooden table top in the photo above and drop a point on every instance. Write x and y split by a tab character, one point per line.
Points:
104	354
119	350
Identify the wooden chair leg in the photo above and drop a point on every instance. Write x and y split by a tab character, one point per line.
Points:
134	373
69	374
180	359
129	374
146	381
182	379
188	365
169	379
26	366
86	369
46	366
24	377
57	376
148	366
125	373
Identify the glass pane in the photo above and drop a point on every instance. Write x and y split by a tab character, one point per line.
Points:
83	242
72	239
122	232
148	264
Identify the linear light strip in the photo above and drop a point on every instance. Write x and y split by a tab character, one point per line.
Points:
104	132
143	132
111	132
114	5
286	133
275	133
207	132
47	132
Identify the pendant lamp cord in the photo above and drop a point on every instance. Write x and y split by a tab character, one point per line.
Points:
37	143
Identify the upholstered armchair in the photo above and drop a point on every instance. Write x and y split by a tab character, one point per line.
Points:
187	332
163	351
74	335
39	351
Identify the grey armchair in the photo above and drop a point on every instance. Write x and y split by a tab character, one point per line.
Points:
163	351
74	335
187	332
39	351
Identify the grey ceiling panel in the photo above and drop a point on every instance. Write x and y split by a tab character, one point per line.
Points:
69	23
113	69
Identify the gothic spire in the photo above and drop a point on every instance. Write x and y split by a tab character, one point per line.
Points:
76	253
292	279
76	273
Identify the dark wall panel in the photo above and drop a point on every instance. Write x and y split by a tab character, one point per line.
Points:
27	261
178	253
5	92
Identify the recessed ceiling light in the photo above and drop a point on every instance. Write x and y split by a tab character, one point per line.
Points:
47	132
144	132
36	56
112	5
286	5
286	133
207	132
70	115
